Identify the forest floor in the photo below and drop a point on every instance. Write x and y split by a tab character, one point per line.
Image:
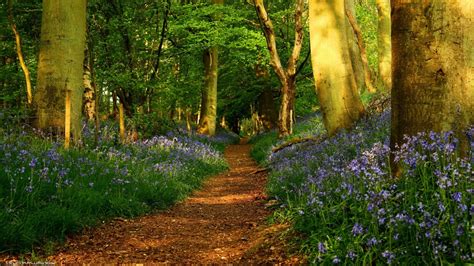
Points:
223	223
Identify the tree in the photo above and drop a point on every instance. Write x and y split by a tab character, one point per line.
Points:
208	117
24	67
60	66
433	67
286	76
384	42
335	83
360	56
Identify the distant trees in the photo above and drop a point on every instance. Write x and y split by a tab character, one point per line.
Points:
336	87
286	76
433	67
60	66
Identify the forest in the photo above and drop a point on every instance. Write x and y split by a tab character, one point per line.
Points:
237	132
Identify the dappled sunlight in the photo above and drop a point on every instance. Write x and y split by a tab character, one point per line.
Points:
214	225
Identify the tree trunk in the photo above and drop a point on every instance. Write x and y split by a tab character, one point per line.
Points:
60	64
24	67
433	68
384	43
287	77
362	55
335	83
208	117
89	90
207	121
354	52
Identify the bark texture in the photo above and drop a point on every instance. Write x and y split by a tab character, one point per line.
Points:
60	64
384	41
433	67
363	54
208	115
354	51
286	76
335	83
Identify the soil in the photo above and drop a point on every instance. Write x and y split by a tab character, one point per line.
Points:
223	223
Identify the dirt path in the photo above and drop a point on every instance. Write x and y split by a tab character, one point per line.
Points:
217	224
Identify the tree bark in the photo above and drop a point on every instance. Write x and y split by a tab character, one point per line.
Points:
207	121
433	68
354	51
286	76
24	67
89	101
335	83
384	41
363	54
208	117
60	64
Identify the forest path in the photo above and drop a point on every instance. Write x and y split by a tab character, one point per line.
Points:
218	224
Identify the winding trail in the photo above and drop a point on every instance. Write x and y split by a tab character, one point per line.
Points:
215	225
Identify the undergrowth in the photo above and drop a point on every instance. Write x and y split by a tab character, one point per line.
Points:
340	196
47	192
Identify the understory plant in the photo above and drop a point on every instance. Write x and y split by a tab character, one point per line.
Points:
47	192
341	196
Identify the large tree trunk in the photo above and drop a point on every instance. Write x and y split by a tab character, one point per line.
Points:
335	83
433	67
384	43
60	63
208	116
287	77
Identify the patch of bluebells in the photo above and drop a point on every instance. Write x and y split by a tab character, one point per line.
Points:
343	197
37	176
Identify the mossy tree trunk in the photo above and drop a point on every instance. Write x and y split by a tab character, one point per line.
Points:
384	41
335	83
60	64
208	116
433	67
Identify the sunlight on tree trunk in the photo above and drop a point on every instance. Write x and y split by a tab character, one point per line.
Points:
207	121
335	83
363	54
122	122
433	68
384	43
89	91
354	51
60	64
287	77
208	116
67	120
24	68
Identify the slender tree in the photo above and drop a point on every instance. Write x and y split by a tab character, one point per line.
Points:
208	117
60	65
433	67
384	42
354	52
286	76
24	67
335	83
